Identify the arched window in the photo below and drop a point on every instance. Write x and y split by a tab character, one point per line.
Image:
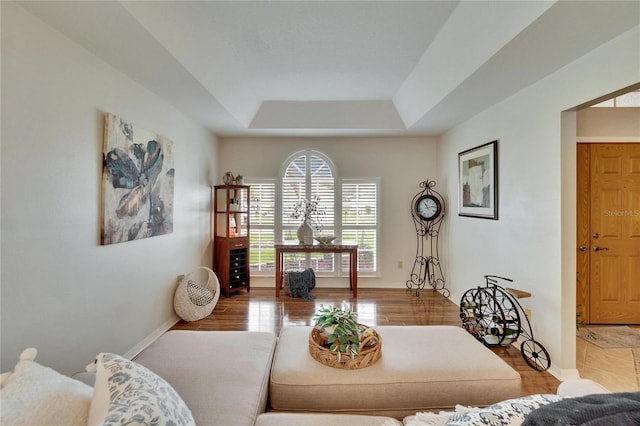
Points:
348	208
310	176
306	177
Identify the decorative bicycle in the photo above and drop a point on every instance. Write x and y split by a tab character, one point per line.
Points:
493	315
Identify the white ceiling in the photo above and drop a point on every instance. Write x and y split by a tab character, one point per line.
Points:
337	67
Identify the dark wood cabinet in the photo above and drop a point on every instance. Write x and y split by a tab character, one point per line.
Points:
231	237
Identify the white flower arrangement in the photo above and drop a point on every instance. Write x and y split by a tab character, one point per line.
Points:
309	211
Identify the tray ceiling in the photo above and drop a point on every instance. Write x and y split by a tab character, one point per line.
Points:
337	67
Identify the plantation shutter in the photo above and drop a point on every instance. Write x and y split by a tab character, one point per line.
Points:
360	220
262	217
309	176
323	187
293	189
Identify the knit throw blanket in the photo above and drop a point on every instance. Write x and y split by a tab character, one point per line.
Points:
301	283
593	410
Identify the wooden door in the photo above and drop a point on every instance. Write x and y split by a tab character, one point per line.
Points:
583	232
614	249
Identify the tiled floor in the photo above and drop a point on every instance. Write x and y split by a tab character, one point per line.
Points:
616	369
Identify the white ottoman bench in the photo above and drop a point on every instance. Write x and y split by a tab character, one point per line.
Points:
422	368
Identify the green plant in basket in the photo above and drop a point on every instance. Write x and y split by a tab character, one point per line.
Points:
342	329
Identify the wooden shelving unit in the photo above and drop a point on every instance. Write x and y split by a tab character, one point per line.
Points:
231	225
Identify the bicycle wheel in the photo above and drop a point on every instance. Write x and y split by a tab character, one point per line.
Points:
535	355
489	309
469	310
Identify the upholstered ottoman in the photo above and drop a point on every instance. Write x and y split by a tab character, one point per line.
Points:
423	368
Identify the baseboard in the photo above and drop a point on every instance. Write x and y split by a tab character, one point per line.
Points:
563	374
166	326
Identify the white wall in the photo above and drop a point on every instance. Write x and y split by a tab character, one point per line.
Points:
401	163
533	241
607	124
61	291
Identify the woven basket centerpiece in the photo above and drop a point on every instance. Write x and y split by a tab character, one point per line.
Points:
368	354
339	341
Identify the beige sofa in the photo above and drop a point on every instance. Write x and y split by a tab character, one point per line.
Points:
223	376
224	379
191	378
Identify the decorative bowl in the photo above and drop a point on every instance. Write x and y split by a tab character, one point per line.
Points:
324	239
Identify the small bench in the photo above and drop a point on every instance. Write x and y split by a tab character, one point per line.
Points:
423	368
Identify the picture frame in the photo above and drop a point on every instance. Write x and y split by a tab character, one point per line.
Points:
137	182
478	182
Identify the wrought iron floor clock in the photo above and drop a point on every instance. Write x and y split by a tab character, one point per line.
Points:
427	211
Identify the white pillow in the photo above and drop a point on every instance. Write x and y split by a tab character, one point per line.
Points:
34	394
128	393
510	412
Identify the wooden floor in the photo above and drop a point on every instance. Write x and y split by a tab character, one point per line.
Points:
259	310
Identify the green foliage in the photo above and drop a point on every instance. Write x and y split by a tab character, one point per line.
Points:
309	211
344	337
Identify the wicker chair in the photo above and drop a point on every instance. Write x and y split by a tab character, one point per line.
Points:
197	294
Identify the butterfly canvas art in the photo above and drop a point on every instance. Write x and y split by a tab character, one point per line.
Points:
137	183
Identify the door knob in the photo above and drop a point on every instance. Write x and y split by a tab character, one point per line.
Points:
583	248
597	248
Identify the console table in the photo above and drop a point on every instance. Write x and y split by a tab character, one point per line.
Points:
352	249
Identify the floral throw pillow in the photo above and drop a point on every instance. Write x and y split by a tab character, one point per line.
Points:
505	413
128	393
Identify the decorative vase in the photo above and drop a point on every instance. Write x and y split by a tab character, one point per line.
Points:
228	178
305	233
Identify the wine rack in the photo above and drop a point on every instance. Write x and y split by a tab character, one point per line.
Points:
231	217
493	315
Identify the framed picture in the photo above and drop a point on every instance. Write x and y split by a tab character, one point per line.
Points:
478	181
137	183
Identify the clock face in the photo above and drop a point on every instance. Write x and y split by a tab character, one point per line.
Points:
428	207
